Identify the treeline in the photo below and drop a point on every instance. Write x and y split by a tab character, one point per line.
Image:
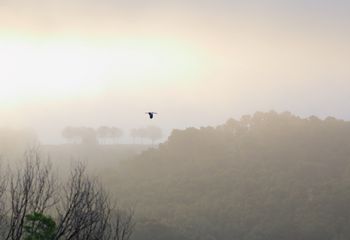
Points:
152	133
109	135
268	176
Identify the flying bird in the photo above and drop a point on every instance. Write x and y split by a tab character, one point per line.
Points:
150	114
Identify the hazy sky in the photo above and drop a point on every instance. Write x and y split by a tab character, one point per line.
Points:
197	63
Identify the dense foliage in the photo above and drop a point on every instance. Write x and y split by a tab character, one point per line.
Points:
39	227
265	177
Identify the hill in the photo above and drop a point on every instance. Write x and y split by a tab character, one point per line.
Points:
264	177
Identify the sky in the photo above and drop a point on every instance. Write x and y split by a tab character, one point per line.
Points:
196	63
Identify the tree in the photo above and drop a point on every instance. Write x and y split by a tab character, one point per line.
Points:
153	133
3	188
115	133
266	176
122	224
81	207
87	135
39	227
138	133
102	133
133	134
84	135
32	188
68	134
111	133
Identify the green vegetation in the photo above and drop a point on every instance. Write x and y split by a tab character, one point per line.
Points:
267	176
80	206
39	227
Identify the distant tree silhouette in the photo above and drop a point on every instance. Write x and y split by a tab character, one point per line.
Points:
69	134
153	133
115	134
134	134
112	133
138	133
102	133
88	135
142	133
83	135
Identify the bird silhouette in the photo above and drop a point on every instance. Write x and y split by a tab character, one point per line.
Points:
150	114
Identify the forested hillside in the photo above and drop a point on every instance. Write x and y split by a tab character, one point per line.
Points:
265	177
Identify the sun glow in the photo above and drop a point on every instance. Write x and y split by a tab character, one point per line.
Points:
61	69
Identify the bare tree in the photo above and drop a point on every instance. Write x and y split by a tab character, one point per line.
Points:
122	225
81	208
31	189
84	207
3	188
86	212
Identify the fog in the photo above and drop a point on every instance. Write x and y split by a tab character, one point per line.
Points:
196	63
249	140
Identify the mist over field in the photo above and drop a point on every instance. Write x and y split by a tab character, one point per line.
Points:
194	120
